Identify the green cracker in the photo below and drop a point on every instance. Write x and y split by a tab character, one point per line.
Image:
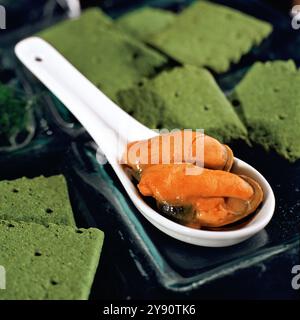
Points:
269	99
185	98
41	200
48	263
144	22
112	60
211	35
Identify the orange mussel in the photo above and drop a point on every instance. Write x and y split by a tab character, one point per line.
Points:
209	197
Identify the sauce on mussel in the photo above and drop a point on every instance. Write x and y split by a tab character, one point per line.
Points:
204	198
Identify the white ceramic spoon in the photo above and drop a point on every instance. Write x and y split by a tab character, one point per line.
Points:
112	128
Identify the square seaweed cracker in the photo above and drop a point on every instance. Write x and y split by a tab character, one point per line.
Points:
269	103
185	98
210	35
109	58
48	263
42	200
145	22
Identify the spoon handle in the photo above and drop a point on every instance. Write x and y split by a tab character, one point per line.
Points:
98	114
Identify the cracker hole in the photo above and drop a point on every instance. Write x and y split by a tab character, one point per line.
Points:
236	102
159	126
135	55
38	59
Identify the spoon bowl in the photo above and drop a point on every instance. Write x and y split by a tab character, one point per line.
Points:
112	128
